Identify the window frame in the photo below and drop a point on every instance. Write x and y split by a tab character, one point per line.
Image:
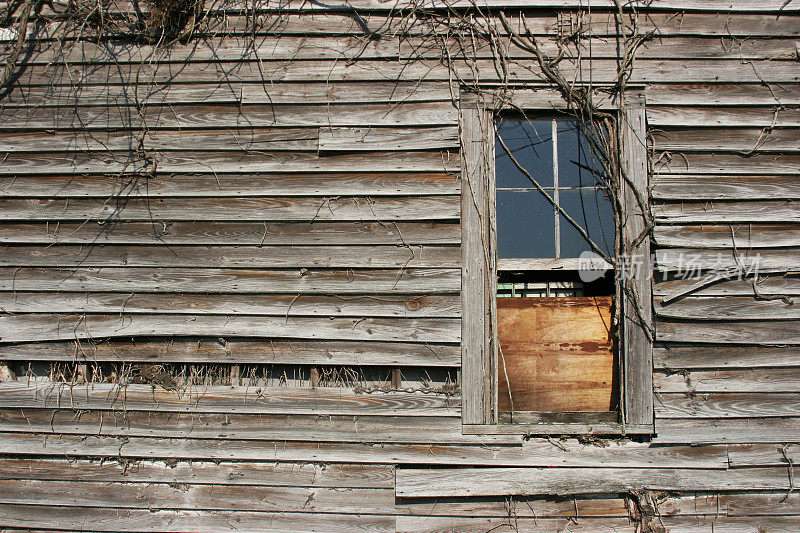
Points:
479	358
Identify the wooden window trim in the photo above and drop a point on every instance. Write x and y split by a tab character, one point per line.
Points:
479	361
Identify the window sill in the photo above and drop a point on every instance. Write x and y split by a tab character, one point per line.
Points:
599	428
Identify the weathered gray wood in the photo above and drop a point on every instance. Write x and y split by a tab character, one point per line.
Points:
218	185
709	187
726	236
767	286
267	162
432	482
603	47
222	473
600	427
484	70
135	520
706	116
531	454
520	507
747	332
397	429
110	255
671	356
222	233
721	94
209	350
226	116
637	327
759	380
303	209
52	327
235	140
737	430
225	399
729	308
336	22
752	261
477	158
467	524
327	92
754	140
755	503
724	523
294	6
198	497
729	405
729	212
346	139
727	164
763	454
233	304
214	280
231	48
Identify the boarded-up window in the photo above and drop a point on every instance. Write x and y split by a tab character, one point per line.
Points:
555	324
552	342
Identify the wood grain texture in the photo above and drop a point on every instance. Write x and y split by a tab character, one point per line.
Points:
267	162
431	482
116	519
221	185
175	280
198	497
431	306
557	354
222	399
728	163
721	94
275	209
788	285
635	288
729	308
728	212
728	405
53	327
728	236
222	233
730	187
222	473
739	116
760	380
218	256
260	427
475	222
768	332
540	453
739	430
346	139
694	261
238	350
426	524
728	139
223	116
326	92
674	356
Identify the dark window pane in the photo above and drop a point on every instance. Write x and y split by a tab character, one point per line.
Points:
577	165
525	225
531	144
592	210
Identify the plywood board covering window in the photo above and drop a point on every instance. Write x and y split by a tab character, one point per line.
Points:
558	355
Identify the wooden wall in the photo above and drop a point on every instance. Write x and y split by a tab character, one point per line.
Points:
290	196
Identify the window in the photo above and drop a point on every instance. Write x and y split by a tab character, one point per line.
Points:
552	341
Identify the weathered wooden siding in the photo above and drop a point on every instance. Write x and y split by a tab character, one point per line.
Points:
290	196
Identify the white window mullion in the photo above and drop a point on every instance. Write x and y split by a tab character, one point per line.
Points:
555	189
